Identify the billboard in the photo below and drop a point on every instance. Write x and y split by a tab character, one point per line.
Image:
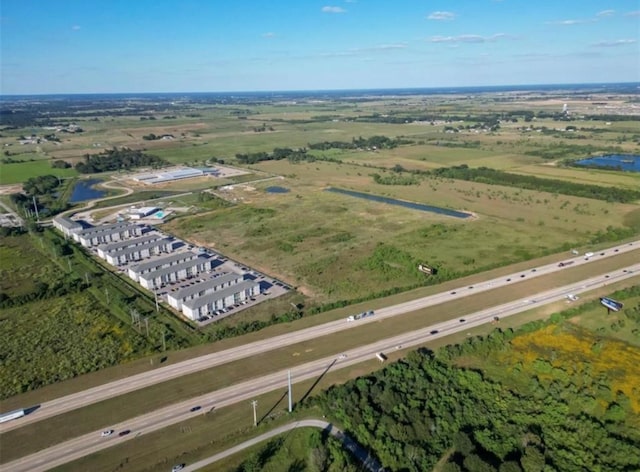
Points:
611	304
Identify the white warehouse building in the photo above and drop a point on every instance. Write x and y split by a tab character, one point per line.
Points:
142	251
105	249
201	306
160	263
159	277
108	234
67	226
178	297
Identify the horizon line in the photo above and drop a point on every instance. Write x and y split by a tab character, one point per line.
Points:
448	87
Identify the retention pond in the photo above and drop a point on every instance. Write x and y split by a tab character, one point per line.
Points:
402	203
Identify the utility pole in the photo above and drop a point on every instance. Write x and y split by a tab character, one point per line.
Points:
86	277
106	294
146	322
290	394
164	343
69	261
35	205
254	403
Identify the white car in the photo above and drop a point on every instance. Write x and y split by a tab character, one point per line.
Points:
106	433
177	468
572	298
342	356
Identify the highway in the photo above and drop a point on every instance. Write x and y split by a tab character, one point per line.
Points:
163	374
92	442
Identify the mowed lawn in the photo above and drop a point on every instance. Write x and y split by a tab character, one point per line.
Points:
336	246
22	171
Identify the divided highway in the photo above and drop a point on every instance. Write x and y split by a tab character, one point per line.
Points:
163	374
161	418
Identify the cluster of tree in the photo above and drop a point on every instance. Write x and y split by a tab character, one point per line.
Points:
60	164
276	155
497	177
374	142
563	150
144	118
117	159
263	128
395	179
42	185
154	137
325	454
43	291
417	410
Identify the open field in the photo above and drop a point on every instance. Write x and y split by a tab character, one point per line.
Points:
308	236
20	172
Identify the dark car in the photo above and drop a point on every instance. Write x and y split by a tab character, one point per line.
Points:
195	408
435	331
124	433
462	320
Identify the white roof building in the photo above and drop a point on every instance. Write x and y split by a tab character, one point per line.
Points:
173	273
159	263
201	306
177	297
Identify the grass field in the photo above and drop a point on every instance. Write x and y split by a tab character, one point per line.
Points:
20	172
307	236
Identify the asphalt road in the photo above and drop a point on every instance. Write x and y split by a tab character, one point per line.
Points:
244	391
163	374
361	454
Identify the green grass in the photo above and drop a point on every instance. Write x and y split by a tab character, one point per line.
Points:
20	172
336	247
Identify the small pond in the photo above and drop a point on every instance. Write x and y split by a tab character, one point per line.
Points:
84	190
625	162
402	203
276	189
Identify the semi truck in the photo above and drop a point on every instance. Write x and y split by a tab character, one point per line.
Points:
12	415
381	357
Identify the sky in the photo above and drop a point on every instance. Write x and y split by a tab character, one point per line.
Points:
119	46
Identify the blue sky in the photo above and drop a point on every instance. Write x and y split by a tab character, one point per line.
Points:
102	46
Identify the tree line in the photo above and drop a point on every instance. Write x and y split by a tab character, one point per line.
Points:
490	176
117	159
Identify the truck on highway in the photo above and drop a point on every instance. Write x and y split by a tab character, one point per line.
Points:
12	415
565	264
381	357
587	255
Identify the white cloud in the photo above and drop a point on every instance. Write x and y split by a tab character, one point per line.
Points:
329	9
470	38
75	27
605	13
569	22
442	16
614	43
633	13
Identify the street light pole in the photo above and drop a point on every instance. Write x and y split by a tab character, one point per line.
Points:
254	403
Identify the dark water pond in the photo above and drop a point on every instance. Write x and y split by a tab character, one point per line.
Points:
84	190
402	203
625	162
276	189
